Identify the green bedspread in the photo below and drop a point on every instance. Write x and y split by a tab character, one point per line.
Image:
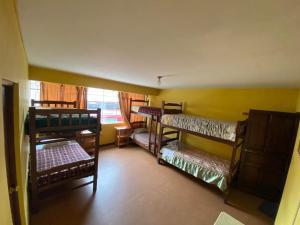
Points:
207	167
41	121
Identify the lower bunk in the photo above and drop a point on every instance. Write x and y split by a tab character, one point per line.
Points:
58	163
200	164
61	161
141	137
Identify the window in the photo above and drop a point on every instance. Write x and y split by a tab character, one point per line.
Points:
108	101
35	88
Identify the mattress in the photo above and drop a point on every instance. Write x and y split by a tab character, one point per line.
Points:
146	110
52	155
142	137
135	108
210	127
205	166
42	121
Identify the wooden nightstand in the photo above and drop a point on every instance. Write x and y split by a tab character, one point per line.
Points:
122	135
87	140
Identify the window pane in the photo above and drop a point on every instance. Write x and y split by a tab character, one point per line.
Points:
34	87
108	101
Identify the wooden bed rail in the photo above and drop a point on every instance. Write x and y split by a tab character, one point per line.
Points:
50	103
176	108
139	100
65	167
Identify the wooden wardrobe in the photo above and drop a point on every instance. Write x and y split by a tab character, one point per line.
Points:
267	152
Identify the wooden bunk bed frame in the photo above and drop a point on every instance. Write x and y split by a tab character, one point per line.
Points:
143	123
49	103
66	172
137	124
153	121
239	140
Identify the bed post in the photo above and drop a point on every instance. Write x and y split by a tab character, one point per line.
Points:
97	142
130	105
33	175
231	170
155	137
150	134
235	147
160	134
163	107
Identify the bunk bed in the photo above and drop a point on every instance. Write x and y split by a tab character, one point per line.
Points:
198	163
55	157
144	132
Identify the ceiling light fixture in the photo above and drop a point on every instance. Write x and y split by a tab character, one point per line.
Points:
159	78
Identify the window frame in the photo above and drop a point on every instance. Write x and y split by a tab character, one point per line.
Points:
101	94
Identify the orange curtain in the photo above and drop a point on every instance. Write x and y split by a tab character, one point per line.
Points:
124	102
64	92
124	106
50	91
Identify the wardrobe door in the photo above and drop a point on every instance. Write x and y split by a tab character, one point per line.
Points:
278	151
252	159
267	152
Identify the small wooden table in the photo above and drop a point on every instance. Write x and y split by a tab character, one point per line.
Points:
87	140
122	135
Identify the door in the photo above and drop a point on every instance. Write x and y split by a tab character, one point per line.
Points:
8	123
267	152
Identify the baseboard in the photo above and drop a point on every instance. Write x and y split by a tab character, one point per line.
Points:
104	145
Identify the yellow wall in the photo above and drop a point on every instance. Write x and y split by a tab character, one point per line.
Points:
291	194
56	76
13	67
108	133
226	104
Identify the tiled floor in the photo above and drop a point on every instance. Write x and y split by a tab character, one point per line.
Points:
134	189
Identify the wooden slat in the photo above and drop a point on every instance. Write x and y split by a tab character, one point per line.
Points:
171	132
49	103
139	100
67	180
172	104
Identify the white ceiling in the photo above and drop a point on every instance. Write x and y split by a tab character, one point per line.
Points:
203	43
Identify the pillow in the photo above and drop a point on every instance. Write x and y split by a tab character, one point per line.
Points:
175	145
140	130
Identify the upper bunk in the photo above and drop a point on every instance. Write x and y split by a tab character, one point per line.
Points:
228	132
48	119
142	107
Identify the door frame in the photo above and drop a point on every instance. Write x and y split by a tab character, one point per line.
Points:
8	88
